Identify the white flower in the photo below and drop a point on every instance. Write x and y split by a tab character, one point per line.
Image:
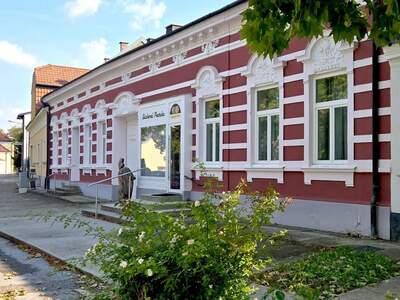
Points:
183	227
173	240
141	236
197	203
120	231
149	272
190	242
123	264
210	286
140	261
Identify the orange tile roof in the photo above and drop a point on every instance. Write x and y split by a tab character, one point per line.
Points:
4	137
54	75
4	149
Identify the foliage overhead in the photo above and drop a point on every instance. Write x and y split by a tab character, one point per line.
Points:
269	25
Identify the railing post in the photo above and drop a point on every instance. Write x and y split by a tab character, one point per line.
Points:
129	188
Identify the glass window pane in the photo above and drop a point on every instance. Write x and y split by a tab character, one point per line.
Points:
275	137
341	133
153	151
268	99
209	142
331	88
262	138
323	134
212	109
217	142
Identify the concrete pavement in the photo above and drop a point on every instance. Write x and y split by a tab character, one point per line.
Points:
19	221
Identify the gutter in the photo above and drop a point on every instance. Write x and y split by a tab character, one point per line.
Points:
375	141
48	119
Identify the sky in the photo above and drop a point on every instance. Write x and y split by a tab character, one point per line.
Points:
78	33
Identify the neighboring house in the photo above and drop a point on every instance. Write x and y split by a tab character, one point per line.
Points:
302	123
45	79
6	155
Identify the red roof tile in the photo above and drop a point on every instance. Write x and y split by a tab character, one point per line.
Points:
4	137
4	149
54	75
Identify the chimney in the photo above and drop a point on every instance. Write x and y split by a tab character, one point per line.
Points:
123	46
172	27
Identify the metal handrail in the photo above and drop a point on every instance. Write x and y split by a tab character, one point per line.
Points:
108	179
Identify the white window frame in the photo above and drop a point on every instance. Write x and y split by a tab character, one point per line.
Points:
101	143
64	146
331	105
87	149
213	121
267	113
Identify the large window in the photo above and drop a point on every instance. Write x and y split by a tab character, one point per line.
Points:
331	118
64	148
88	144
267	124
212	130
153	161
102	143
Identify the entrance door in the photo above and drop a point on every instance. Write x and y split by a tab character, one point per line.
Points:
175	158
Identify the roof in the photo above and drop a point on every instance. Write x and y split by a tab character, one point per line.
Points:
4	137
56	76
4	149
156	40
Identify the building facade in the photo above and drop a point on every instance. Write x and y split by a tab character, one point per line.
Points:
45	79
302	122
6	155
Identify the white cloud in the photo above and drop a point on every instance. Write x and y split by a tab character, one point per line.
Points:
145	12
15	55
93	52
78	8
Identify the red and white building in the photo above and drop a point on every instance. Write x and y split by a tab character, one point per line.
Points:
303	122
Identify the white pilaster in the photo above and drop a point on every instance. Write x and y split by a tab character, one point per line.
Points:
392	54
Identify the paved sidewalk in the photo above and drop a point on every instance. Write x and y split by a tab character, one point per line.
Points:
19	221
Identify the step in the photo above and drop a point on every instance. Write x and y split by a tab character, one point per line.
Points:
166	197
161	209
108	216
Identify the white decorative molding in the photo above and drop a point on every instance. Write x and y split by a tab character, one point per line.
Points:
86	114
262	71
101	110
179	57
209	47
267	172
208	83
153	67
74	117
126	103
330	173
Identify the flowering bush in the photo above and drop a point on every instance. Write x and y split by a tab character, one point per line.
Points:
208	253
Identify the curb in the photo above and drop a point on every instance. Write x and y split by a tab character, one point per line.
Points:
17	241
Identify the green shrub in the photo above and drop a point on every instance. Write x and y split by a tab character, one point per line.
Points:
209	253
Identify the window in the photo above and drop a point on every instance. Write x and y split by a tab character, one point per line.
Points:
88	144
102	142
64	148
267	124
331	118
153	162
212	130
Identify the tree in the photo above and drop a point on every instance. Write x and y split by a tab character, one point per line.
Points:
16	135
269	25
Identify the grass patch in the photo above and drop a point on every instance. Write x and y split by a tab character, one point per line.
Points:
330	272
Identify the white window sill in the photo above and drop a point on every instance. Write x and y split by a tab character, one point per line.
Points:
344	173
211	170
265	171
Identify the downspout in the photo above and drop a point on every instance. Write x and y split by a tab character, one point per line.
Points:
375	141
48	117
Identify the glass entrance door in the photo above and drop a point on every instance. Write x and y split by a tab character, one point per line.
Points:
175	157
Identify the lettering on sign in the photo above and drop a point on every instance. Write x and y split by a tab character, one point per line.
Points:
153	115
